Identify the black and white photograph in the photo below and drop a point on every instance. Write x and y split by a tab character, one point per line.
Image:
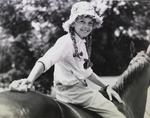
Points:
74	59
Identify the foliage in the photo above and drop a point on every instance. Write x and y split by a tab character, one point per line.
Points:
31	27
123	34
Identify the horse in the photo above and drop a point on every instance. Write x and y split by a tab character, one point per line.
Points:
132	86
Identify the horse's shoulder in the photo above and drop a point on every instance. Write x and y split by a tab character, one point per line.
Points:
75	111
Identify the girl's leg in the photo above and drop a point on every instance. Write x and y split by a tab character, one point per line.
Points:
103	107
89	99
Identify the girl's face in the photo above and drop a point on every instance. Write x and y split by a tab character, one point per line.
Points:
83	26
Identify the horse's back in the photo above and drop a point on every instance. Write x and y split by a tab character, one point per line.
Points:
27	105
75	111
37	105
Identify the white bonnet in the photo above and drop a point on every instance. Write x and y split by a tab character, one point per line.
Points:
79	9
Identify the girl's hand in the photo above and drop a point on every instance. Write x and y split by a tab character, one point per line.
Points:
22	85
148	51
112	93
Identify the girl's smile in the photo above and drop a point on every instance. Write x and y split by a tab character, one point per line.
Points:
83	26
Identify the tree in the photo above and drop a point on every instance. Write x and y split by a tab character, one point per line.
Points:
35	25
123	34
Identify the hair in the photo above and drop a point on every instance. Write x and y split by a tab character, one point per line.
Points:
135	68
88	44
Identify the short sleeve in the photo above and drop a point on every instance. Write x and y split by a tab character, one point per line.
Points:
55	53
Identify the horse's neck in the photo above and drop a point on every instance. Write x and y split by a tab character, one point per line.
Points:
134	94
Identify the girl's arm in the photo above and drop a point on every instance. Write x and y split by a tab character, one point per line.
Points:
96	80
36	71
52	56
26	84
110	92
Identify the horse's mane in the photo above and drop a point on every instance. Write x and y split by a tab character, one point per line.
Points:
135	68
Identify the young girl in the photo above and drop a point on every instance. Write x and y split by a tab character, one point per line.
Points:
71	57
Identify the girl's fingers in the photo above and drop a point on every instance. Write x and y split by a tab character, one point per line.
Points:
25	85
110	97
109	93
148	51
118	97
113	93
14	85
22	85
23	88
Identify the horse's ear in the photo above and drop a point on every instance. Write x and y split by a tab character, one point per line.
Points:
148	51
